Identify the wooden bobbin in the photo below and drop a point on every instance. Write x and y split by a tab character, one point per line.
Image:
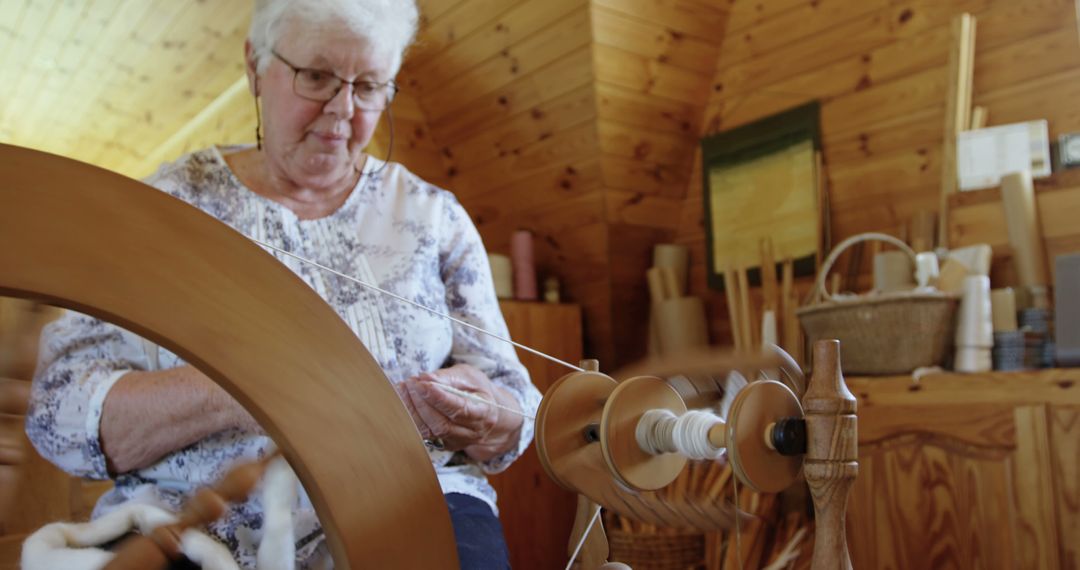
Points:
568	445
629	464
753	460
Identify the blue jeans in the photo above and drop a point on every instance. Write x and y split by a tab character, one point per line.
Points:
479	534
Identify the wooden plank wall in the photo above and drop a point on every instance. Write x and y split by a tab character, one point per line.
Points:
506	87
654	63
879	68
577	120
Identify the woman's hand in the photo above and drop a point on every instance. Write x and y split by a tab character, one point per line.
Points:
483	431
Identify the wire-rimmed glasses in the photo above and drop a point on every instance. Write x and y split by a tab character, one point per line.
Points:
321	85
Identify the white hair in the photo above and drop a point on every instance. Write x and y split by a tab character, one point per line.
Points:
388	25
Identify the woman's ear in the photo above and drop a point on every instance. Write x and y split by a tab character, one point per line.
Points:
251	68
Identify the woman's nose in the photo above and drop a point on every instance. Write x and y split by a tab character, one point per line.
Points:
341	104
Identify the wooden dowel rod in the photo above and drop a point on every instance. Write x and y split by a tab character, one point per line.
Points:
734	311
1025	235
768	275
745	310
787	310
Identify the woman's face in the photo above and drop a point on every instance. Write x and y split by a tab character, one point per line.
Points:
318	144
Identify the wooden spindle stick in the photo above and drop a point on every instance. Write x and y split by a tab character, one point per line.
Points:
830	464
769	293
161	546
746	310
734	309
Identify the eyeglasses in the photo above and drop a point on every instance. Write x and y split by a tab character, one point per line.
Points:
321	85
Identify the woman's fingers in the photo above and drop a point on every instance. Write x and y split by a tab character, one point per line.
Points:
434	421
458	421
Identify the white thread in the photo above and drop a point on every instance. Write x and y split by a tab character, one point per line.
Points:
581	542
661	431
417	305
475	398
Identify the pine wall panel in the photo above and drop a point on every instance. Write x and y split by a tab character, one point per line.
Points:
879	68
654	62
507	91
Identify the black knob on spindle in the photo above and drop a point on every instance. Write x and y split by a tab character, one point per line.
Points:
789	436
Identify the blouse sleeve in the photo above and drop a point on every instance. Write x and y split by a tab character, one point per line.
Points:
470	295
79	361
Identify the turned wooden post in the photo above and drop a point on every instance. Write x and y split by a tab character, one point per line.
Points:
832	451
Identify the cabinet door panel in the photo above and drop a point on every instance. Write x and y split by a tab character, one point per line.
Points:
954	486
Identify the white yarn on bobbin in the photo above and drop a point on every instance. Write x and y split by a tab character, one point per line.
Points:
661	431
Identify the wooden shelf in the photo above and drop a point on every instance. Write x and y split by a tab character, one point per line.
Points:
1052	385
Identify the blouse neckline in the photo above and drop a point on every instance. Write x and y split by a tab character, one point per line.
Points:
370	167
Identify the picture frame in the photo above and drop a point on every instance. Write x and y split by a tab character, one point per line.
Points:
765	179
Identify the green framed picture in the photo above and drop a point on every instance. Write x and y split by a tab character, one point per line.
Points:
762	181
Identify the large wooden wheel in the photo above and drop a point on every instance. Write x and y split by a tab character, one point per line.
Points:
84	238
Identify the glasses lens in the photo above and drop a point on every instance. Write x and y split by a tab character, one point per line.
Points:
315	84
372	96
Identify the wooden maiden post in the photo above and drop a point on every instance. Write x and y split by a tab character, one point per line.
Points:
832	451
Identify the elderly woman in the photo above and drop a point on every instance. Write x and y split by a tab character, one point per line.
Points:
108	404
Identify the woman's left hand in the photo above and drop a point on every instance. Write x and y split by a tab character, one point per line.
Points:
481	430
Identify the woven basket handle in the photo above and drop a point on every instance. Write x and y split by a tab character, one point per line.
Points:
819	285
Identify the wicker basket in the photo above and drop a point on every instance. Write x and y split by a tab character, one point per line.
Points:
668	551
889	333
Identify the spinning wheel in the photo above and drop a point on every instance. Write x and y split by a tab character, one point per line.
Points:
81	237
86	234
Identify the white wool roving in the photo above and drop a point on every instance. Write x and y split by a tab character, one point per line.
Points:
208	553
68	545
73	546
277	548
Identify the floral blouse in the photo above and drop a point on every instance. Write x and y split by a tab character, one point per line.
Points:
394	230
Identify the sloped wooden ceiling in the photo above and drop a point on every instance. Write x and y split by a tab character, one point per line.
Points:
112	81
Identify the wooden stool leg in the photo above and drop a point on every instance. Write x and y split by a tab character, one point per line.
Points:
831	454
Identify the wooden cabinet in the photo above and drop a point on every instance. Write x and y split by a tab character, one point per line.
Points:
968	471
537	514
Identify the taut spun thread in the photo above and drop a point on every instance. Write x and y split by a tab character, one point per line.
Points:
475	398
